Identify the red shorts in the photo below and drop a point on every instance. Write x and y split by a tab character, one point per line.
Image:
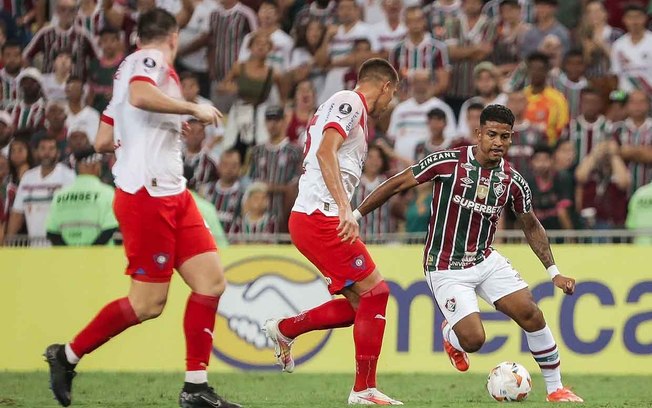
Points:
160	233
342	263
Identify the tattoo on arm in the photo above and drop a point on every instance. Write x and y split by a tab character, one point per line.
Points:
536	236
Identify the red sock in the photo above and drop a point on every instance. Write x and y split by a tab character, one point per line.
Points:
112	320
330	315
368	331
198	326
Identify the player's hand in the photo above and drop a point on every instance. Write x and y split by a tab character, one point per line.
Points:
348	227
207	114
565	284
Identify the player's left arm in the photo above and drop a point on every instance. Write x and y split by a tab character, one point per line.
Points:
104	138
537	238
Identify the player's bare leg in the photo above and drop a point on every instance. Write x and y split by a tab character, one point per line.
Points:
466	336
145	301
520	306
204	275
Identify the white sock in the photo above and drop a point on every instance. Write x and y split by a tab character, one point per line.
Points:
70	355
197	377
451	337
544	350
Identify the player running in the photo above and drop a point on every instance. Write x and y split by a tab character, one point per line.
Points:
323	228
159	220
471	187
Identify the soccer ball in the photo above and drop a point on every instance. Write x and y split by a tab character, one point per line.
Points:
509	382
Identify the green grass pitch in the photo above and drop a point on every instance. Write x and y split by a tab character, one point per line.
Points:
113	390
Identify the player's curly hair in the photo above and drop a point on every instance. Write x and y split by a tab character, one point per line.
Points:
497	113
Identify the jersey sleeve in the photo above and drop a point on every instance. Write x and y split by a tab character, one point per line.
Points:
108	114
520	194
148	67
344	113
435	165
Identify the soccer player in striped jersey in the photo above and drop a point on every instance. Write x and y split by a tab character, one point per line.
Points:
472	186
590	127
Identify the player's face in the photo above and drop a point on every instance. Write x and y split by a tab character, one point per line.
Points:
78	141
383	100
12	58
47	153
415	21
494	139
634	21
591	105
485	83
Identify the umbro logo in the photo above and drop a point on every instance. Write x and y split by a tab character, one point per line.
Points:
467	182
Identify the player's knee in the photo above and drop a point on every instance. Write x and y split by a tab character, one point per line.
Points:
532	319
149	309
472	342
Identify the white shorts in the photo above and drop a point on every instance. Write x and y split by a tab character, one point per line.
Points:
455	290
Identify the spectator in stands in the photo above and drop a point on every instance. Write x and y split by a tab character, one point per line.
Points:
589	128
20	160
6	132
78	113
509	38
102	70
89	17
597	37
227	191
616	110
526	136
438	12
639	213
603	181
552	192
55	116
197	27
571	81
341	56
251	81
633	134
437	140
54	83
50	41
324	11
420	51
409	121
564	156
303	108
190	87
277	163
196	157
29	110
389	29
361	46
547	107
12	59
256	218
630	59
282	44
303	61
81	214
486	80
374	173
470	38
472	117
78	143
546	24
36	189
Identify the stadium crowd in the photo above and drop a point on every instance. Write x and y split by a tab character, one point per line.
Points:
576	73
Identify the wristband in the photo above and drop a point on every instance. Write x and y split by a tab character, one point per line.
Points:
356	214
553	271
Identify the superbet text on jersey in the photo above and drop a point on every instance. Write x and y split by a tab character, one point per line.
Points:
345	112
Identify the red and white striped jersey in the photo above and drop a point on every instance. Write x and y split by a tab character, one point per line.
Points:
467	202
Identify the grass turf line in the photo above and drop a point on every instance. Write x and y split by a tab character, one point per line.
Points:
254	390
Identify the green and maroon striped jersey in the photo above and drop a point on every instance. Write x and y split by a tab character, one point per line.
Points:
466	205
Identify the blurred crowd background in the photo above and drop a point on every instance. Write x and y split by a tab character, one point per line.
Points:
576	73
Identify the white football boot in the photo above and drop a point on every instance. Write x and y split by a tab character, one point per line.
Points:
282	345
371	396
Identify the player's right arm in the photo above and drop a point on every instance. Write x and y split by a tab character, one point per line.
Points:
330	170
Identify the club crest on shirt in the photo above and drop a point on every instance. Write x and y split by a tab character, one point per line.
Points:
451	304
499	189
149	62
482	191
345	109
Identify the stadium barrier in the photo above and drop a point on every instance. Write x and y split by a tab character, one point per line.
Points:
606	327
